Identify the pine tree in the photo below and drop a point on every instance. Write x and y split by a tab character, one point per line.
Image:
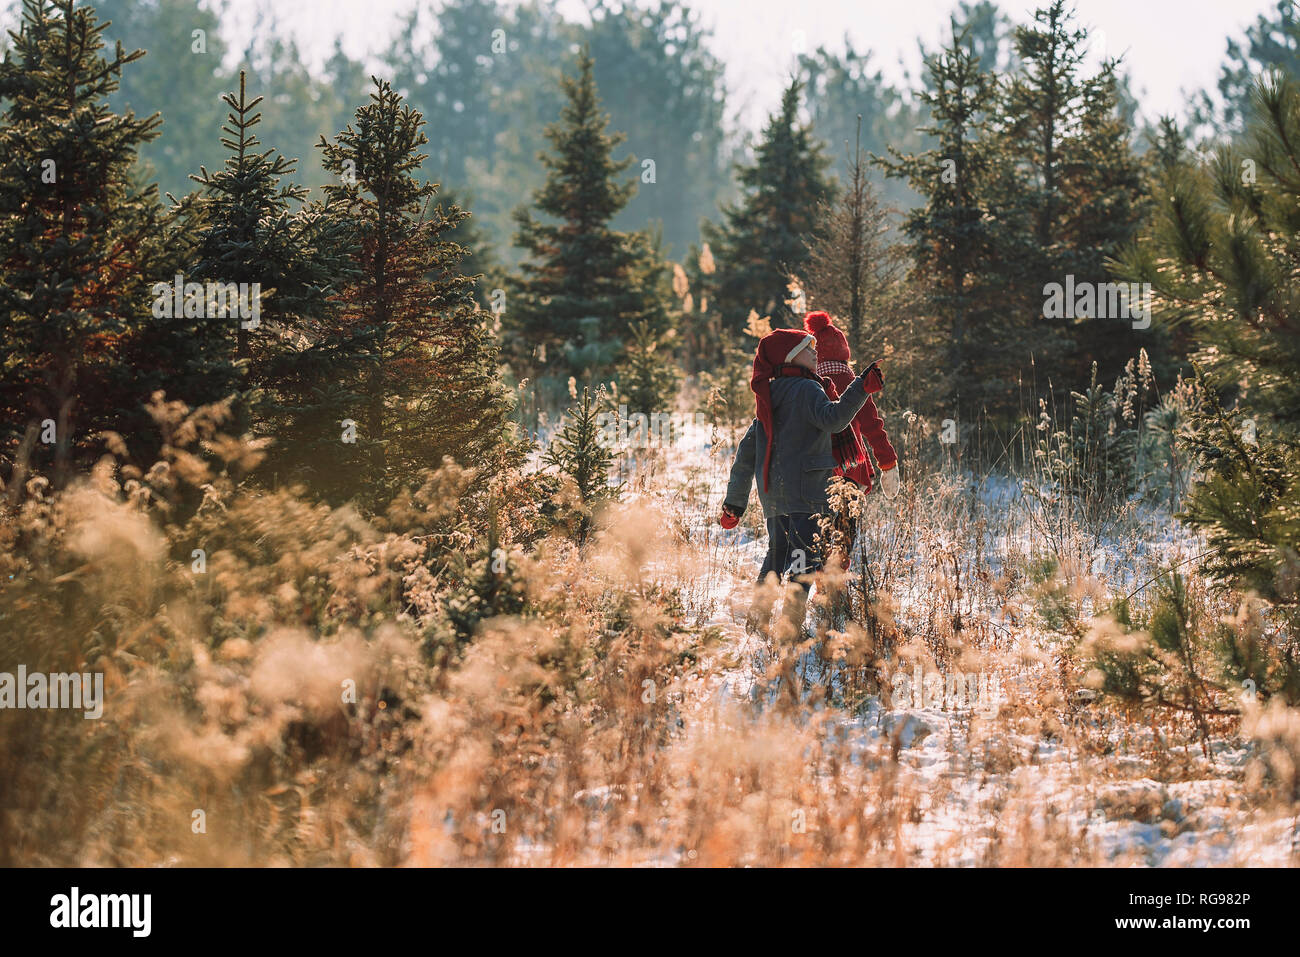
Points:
761	241
1220	253
853	267
424	363
1247	504
586	283
484	583
959	232
1083	196
251	227
1165	664
581	451
306	106
647	378
81	244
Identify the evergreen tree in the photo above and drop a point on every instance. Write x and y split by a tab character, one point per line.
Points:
1164	666
304	107
581	452
424	359
1218	251
251	227
1221	253
853	267
586	283
1083	194
959	232
761	241
81	244
647	378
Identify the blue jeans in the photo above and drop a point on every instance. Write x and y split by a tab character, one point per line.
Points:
790	547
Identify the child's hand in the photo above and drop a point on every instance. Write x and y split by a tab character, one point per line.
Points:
873	380
889	481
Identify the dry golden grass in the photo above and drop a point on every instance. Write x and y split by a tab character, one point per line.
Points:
342	690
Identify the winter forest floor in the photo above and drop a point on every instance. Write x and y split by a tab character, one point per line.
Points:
317	691
1045	773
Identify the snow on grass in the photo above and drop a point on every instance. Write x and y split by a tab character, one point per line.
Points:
1115	792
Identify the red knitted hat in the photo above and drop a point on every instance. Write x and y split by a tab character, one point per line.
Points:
831	343
775	349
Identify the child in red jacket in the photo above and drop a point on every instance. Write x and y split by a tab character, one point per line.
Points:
833	364
868	428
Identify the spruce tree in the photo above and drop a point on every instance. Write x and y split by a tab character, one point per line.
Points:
1083	196
761	241
81	243
581	451
959	232
306	106
853	268
423	362
647	377
586	283
252	227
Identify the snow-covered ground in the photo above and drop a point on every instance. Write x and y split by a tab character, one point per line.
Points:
1108	789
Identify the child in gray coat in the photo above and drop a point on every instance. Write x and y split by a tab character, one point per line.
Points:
788	449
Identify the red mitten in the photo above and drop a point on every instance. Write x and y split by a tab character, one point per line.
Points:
728	518
873	380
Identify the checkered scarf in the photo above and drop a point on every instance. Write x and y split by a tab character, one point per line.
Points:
828	367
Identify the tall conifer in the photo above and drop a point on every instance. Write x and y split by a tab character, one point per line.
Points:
80	242
423	361
585	284
762	239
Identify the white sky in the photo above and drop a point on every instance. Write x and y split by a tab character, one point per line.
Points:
1169	46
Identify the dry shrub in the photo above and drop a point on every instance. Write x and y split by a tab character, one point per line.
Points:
454	680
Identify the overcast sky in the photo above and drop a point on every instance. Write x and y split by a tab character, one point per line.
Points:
1169	46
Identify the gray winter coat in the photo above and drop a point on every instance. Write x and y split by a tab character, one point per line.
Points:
804	420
